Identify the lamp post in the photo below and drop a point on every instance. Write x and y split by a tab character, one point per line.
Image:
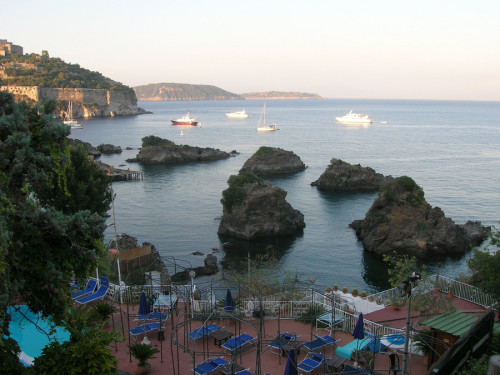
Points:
192	274
405	288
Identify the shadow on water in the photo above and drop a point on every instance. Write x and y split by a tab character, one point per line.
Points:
237	251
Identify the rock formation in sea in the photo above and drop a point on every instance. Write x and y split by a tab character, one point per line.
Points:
343	176
109	149
272	160
400	220
91	150
253	208
157	150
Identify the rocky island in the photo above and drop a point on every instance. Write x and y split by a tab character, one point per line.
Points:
156	150
342	176
254	208
272	160
400	220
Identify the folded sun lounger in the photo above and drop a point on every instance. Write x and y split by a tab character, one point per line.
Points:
210	365
278	342
310	362
320	342
99	294
198	333
91	284
237	342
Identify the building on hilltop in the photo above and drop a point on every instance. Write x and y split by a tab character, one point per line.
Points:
7	48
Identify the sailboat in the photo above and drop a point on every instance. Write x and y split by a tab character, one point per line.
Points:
265	127
70	121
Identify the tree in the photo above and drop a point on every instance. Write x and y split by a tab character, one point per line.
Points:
485	264
41	246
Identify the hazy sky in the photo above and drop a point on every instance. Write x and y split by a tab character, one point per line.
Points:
426	49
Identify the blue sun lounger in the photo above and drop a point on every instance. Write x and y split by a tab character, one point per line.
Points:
319	342
203	331
144	328
91	284
237	342
210	365
310	362
357	344
99	294
278	342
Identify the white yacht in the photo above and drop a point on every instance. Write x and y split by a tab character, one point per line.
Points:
354	118
239	114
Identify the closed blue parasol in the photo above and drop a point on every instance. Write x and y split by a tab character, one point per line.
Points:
229	305
291	364
358	332
144	305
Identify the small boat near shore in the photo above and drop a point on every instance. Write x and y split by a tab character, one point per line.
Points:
354	118
239	114
186	120
69	118
265	127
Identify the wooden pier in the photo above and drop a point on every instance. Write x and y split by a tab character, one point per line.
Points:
124	175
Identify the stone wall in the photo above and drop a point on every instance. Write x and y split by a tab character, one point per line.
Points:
87	103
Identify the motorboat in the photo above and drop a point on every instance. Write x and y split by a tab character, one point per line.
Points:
354	118
186	120
239	114
265	127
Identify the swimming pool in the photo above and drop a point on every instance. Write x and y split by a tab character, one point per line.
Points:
32	339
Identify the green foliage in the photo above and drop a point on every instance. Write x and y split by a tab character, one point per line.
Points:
42	245
309	317
235	193
402	266
387	192
407	183
103	310
9	362
142	353
355	291
263	150
153	140
485	265
45	71
86	187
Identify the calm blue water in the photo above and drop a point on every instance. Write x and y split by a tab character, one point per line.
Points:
450	148
32	339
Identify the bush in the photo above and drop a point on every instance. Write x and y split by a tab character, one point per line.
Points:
407	183
263	150
235	193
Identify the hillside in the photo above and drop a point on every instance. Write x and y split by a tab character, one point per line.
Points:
49	72
182	91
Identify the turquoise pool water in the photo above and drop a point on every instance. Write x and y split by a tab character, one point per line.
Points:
32	338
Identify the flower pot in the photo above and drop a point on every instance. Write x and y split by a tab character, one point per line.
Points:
143	370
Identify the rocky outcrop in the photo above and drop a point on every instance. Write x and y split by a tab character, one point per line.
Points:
91	150
254	208
401	220
170	153
109	149
210	267
271	160
342	176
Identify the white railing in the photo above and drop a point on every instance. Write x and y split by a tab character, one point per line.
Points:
466	292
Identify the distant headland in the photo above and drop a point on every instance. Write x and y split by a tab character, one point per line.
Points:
184	91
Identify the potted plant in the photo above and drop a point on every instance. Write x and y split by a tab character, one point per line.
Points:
335	287
143	353
328	290
103	311
344	290
363	294
355	292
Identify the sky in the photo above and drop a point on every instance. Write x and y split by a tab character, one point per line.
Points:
381	49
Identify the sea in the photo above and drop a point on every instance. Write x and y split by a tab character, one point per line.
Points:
450	148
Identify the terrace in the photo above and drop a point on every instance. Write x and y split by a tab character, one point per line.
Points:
307	317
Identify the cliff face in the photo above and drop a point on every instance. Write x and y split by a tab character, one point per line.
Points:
87	103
